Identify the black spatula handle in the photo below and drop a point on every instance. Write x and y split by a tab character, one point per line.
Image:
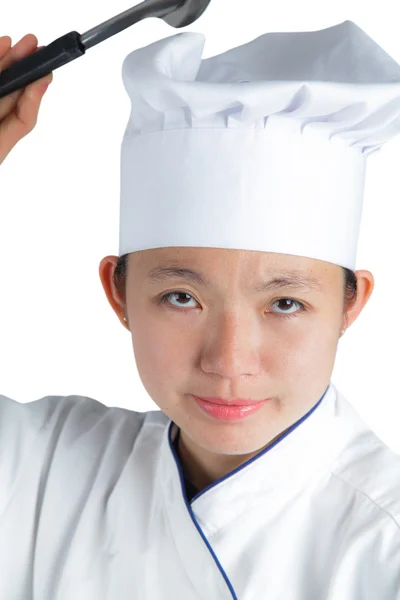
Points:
41	63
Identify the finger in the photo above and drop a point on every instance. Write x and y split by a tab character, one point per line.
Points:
24	47
5	45
8	103
27	108
19	123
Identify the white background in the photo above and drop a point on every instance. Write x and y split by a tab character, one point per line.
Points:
59	212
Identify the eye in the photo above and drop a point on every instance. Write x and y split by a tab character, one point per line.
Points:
291	301
166	300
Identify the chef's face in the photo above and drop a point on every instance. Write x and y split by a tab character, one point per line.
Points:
227	340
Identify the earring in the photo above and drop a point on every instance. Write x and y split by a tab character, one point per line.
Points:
343	330
125	319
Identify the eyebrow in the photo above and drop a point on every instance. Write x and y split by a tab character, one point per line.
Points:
285	279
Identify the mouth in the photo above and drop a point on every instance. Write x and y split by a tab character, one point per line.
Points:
235	402
227	411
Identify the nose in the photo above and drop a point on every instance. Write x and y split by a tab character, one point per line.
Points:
231	346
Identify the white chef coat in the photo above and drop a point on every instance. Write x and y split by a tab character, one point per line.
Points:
93	507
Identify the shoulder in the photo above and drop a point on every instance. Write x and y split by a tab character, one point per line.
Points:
49	438
67	418
371	470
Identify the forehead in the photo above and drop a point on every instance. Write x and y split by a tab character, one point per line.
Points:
244	265
225	257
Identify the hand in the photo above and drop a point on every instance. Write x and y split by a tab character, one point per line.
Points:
19	110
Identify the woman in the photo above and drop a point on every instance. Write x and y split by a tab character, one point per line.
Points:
297	499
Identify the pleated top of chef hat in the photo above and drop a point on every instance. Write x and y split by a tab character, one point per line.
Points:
262	147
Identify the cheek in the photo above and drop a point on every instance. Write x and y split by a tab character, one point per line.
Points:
162	358
308	359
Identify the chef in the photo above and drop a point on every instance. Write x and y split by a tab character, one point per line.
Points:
242	180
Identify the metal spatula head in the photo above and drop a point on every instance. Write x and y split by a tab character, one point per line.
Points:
186	13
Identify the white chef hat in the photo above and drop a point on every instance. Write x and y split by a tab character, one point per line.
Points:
262	147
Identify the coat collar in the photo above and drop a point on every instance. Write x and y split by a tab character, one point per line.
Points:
274	477
302	454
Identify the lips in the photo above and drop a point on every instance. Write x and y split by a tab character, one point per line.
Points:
237	402
228	412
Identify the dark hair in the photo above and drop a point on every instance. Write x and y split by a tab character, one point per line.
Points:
349	289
